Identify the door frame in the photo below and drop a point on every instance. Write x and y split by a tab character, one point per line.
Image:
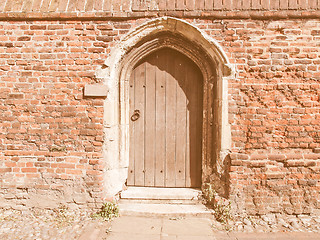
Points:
213	63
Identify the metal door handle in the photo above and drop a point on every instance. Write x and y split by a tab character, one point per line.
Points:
136	115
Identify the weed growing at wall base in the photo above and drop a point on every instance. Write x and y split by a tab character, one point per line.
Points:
221	206
107	212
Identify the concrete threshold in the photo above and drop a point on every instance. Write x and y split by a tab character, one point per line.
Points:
161	193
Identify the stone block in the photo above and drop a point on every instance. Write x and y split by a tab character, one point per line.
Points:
96	90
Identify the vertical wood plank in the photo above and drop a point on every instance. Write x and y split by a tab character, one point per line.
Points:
139	94
160	121
150	123
171	109
181	139
130	180
188	89
193	126
199	116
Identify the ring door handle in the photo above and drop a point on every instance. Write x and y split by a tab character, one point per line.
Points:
136	115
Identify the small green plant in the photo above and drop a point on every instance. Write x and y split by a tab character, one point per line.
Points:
221	206
107	212
209	192
222	212
63	216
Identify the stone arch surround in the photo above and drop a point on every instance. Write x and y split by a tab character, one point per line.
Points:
216	69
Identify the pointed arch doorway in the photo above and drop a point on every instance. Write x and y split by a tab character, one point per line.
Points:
165	102
138	44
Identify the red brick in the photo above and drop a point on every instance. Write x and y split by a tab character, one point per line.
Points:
27	170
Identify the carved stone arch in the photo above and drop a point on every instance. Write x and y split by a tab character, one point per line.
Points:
137	44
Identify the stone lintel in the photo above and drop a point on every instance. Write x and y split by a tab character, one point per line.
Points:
96	90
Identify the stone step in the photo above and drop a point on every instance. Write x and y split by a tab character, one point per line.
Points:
164	202
164	210
153	193
160	201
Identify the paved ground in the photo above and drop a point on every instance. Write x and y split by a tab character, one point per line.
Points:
66	224
41	224
125	228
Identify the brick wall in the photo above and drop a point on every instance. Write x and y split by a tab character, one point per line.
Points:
274	112
143	5
41	9
51	136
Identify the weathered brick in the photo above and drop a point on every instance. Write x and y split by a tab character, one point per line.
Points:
24	38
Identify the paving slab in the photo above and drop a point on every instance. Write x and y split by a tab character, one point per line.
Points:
138	228
133	236
175	237
136	225
187	227
196	238
268	236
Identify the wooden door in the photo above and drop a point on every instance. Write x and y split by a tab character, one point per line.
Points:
165	121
